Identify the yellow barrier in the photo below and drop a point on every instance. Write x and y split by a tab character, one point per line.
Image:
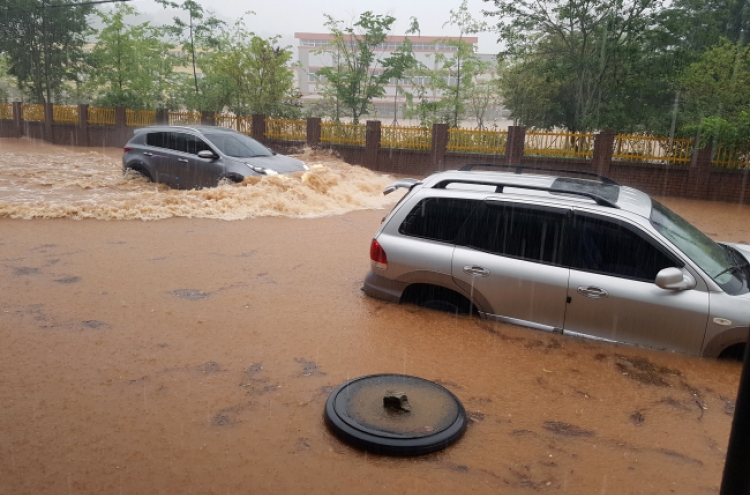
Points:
652	149
6	111
32	112
101	116
184	118
140	118
416	138
477	141
292	130
337	133
732	156
67	114
559	144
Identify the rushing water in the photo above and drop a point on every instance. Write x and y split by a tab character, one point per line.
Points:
188	355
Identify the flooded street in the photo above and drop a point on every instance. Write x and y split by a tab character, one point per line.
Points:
194	355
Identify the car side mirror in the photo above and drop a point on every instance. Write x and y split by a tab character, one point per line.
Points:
206	154
674	279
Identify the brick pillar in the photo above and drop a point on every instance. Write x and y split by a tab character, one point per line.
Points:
313	132
700	173
372	144
207	118
18	118
604	143
120	119
439	145
162	116
83	126
49	112
515	144
259	127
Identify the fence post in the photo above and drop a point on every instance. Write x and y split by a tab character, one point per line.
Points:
372	144
207	118
700	172
83	125
515	144
18	117
603	148
49	113
439	145
259	127
313	132
162	116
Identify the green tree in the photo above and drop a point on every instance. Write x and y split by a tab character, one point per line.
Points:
361	75
43	42
202	31
131	65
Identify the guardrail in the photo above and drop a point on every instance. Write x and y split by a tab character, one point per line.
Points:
291	130
32	112
736	157
413	138
650	149
6	111
337	133
477	141
184	118
65	114
140	118
559	144
101	116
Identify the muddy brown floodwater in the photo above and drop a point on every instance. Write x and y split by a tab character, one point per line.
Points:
192	354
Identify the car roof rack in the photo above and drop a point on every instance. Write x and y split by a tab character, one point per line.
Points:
520	168
499	186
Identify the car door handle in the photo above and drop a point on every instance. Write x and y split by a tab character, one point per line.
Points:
593	292
476	271
147	153
183	160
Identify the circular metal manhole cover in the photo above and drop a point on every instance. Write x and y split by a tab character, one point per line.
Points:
395	414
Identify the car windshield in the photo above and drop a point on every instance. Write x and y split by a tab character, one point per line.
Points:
238	145
714	259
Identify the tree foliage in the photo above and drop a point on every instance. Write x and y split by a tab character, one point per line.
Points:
360	75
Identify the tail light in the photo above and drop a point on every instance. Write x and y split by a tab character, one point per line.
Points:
377	255
126	149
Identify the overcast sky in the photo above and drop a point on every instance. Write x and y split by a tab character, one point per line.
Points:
286	17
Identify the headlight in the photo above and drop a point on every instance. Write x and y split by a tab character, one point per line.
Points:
262	170
305	167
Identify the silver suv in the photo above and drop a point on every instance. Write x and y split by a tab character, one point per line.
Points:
581	257
201	156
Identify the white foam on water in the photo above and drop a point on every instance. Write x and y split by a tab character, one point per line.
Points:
69	184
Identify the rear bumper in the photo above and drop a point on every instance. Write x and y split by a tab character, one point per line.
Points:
383	288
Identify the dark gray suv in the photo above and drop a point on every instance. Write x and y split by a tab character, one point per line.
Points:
201	156
580	257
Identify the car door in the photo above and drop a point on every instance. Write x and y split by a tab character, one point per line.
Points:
158	155
612	294
208	171
512	255
183	165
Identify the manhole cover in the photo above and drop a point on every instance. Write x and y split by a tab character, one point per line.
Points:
395	414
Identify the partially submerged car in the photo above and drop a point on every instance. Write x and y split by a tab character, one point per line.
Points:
201	156
581	257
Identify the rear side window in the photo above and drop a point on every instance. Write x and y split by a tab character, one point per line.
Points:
528	233
613	248
439	219
158	139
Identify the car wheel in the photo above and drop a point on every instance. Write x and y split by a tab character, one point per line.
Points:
734	352
143	172
437	298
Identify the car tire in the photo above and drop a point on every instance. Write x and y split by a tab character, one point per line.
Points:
734	352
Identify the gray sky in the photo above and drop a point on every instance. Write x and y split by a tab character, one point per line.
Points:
285	17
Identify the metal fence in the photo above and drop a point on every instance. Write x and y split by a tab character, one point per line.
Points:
291	130
140	118
413	138
32	112
737	156
6	111
66	114
650	149
559	144
477	141
239	124
184	118
101	116
337	133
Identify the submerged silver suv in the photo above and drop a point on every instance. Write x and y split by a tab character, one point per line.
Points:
201	156
581	257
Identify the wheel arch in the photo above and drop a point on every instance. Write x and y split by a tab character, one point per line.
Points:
728	338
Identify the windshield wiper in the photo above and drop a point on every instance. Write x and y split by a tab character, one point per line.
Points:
732	268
